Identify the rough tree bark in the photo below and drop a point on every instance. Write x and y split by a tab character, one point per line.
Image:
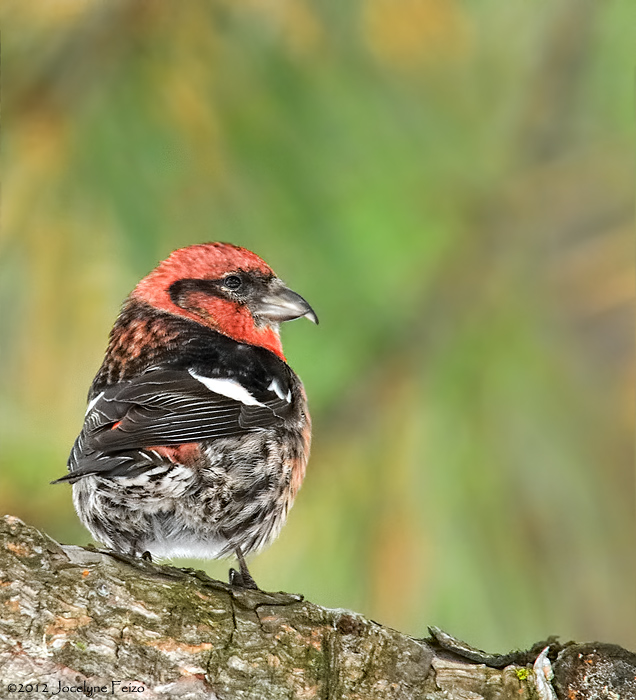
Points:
77	621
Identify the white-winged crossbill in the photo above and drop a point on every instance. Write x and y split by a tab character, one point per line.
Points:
197	433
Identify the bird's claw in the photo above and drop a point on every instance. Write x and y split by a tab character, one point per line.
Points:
242	580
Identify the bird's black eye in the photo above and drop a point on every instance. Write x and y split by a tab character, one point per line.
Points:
232	282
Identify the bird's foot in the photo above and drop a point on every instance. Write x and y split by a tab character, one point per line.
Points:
242	578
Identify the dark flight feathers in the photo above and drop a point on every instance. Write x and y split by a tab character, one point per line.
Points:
162	407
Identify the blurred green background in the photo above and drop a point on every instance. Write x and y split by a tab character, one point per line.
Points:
450	184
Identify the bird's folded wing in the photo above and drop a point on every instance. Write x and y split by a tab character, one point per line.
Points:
164	407
171	407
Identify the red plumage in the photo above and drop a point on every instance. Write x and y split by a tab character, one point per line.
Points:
197	432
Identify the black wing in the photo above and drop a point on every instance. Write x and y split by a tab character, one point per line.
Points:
168	407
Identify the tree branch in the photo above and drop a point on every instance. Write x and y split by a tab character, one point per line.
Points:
102	624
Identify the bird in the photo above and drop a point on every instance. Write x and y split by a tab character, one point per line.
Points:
197	432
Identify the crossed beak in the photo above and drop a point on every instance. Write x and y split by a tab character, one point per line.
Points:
281	304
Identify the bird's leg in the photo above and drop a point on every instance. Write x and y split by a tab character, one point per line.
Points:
242	578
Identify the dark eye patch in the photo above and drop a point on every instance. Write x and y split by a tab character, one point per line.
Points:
243	285
181	289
